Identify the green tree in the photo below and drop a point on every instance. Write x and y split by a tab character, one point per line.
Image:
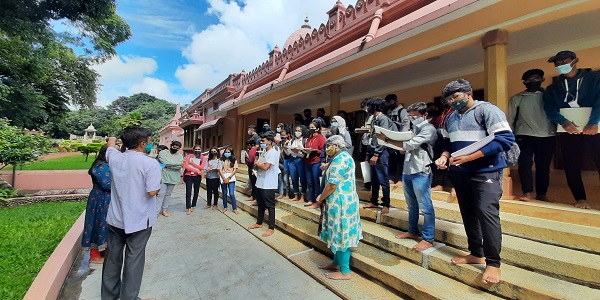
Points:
17	147
123	105
89	148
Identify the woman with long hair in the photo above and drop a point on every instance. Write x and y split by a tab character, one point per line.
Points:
95	226
211	169
314	146
227	169
192	176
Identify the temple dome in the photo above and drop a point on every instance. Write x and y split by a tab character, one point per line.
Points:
296	35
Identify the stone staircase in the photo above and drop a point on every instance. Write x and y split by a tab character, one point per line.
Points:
549	251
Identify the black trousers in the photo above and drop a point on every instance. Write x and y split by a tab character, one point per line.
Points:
570	146
479	202
212	190
266	199
131	264
191	181
252	182
396	165
540	150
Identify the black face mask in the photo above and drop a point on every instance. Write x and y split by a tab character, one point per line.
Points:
173	151
533	85
197	152
311	131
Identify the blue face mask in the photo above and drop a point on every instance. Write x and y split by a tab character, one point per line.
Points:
149	147
334	124
267	128
264	146
227	155
460	104
564	69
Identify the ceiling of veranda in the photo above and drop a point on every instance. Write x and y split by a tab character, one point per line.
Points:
524	45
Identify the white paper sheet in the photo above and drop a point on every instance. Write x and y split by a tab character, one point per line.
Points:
393	135
365	167
578	115
473	147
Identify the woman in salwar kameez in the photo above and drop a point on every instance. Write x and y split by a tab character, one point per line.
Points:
95	227
341	226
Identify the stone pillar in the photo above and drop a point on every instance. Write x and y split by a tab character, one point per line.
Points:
240	142
273	116
334	99
495	84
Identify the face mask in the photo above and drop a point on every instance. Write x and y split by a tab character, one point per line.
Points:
198	152
460	104
311	131
330	151
564	69
263	146
533	85
249	132
298	134
324	132
278	129
334	124
213	153
148	147
173	151
283	138
227	155
418	120
267	128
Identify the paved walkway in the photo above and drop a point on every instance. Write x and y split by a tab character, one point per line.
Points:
204	256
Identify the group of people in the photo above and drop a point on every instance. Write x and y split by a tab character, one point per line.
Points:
313	165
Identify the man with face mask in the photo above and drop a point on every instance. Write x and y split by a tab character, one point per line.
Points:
396	112
321	114
307	117
574	88
253	134
171	175
534	133
477	177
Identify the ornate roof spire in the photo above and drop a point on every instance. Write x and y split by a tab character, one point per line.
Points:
306	25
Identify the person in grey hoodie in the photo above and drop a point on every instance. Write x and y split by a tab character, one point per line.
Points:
574	88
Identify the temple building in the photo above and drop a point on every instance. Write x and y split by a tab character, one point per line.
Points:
411	48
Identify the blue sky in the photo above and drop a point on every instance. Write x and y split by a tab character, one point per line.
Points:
181	47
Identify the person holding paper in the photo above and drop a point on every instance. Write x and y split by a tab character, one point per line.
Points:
378	157
314	146
574	88
416	175
534	133
477	177
397	114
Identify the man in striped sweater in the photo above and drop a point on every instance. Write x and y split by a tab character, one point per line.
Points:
477	177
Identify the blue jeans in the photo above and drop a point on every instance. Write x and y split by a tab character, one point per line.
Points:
380	178
229	188
342	259
417	191
298	175
313	172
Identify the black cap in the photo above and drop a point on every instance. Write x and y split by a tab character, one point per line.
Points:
531	72
562	55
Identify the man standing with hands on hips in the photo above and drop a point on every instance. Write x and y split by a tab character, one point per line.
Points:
131	214
574	88
477	177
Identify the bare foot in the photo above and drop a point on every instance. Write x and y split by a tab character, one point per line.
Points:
250	198
215	207
338	276
254	203
301	199
269	232
582	204
206	207
166	214
453	192
188	212
543	198
254	226
330	267
371	205
192	208
385	210
308	204
468	259
526	197
437	188
97	260
407	235
315	206
235	211
422	245
398	184
223	210
491	275
280	197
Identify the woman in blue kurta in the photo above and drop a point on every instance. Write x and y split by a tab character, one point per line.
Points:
341	227
95	228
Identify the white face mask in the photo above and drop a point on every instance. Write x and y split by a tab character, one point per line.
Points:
418	120
564	69
278	129
298	133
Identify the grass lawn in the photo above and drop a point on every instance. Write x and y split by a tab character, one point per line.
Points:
76	162
28	235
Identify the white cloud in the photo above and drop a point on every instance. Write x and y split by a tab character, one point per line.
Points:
244	36
158	88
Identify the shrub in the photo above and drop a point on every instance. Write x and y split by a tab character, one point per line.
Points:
7	193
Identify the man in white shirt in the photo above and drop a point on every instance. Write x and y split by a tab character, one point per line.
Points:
131	214
266	183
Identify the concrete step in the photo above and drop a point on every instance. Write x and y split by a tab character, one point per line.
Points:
568	264
401	275
517	283
567	235
360	287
